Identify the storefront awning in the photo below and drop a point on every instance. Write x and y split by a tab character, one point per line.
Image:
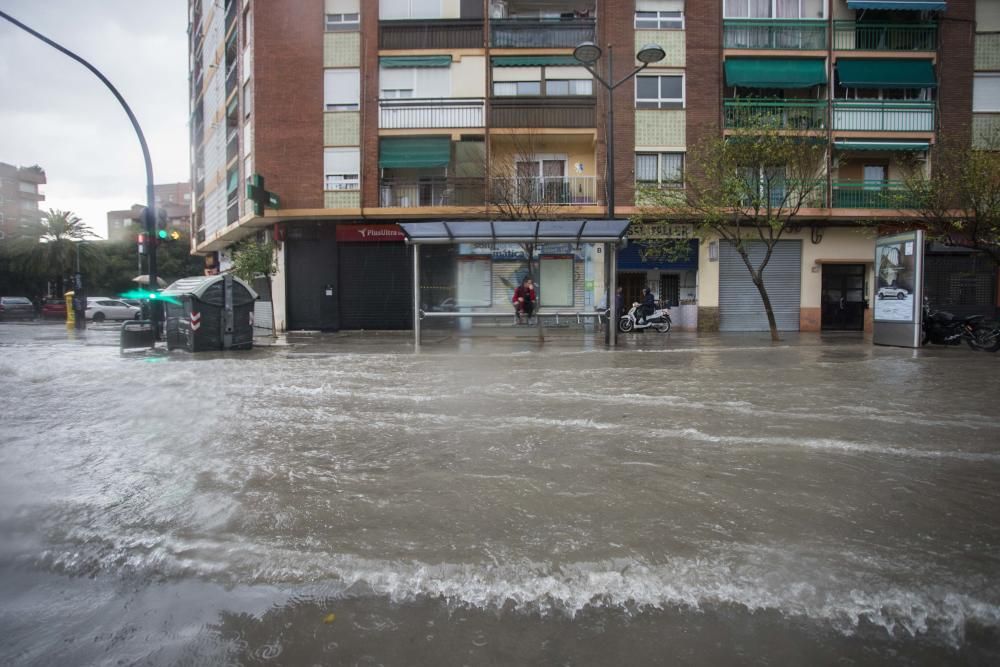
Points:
536	61
414	152
414	61
515	231
775	72
910	5
886	73
881	145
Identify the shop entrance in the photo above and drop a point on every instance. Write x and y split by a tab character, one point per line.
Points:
631	284
843	297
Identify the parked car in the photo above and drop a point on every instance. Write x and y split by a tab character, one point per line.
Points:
16	308
100	308
54	309
892	293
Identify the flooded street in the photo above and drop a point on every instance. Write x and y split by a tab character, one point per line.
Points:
342	500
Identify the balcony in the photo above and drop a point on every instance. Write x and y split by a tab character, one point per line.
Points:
871	194
431	191
533	33
542	111
232	146
430	113
231	80
851	36
431	34
544	190
776	114
791	34
884	116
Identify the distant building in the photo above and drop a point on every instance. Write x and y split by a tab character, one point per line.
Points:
19	197
173	201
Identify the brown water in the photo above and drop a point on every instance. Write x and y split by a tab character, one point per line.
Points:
681	501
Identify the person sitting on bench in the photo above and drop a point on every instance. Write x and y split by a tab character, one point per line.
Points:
524	299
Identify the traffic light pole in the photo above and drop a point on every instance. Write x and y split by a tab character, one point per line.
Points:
150	197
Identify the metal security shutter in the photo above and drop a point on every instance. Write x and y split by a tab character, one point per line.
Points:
311	265
960	283
262	316
740	307
376	286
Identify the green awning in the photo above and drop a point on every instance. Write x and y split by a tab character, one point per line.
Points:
415	61
414	152
536	61
886	73
913	5
881	145
775	72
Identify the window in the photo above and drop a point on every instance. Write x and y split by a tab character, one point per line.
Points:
666	169
247	99
28	204
342	89
418	82
342	167
27	187
569	87
409	9
659	20
342	22
986	93
516	88
768	9
664	91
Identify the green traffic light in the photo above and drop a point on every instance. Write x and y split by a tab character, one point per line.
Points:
162	234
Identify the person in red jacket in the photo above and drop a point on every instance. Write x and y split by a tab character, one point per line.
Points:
524	299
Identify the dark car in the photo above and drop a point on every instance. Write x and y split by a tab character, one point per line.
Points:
16	308
54	309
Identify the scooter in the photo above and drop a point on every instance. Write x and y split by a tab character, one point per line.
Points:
941	328
659	320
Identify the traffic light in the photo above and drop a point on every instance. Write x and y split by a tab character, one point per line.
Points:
143	242
168	235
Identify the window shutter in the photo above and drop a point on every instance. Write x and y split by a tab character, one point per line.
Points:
425	9
394	9
342	86
659	5
342	161
343	6
396	79
986	93
433	82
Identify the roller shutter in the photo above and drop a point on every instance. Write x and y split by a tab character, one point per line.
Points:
740	307
376	286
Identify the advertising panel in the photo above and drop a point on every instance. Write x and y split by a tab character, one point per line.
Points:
899	282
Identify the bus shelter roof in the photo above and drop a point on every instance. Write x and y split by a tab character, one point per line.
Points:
515	231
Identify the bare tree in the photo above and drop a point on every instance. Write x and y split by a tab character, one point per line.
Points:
745	189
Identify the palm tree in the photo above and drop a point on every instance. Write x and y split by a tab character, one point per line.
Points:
49	248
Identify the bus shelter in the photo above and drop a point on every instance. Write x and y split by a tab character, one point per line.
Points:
569	255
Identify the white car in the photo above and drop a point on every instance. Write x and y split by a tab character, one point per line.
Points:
892	293
100	308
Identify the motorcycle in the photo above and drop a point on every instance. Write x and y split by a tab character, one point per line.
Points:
986	336
659	320
941	328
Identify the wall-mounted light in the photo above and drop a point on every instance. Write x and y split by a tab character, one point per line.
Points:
713	251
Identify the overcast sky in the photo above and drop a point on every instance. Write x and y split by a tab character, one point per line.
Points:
55	113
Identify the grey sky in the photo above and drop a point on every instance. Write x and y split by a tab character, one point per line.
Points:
55	113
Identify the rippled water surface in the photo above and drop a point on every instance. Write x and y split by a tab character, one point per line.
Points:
341	500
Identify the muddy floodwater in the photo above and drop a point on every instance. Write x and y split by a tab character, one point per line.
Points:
344	501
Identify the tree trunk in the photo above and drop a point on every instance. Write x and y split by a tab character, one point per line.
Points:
758	281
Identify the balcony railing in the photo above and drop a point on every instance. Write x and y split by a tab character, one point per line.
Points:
535	33
544	190
871	194
431	113
431	34
774	34
777	114
542	112
883	116
787	194
849	36
233	211
431	191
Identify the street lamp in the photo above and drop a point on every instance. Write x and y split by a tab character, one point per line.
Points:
587	54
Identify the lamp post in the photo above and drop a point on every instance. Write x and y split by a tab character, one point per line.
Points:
150	198
587	54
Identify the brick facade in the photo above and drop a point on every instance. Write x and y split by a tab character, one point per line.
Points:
288	100
616	29
369	104
704	74
956	58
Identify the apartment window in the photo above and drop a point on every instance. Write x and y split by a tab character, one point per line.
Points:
569	87
247	99
31	188
342	22
516	88
769	9
247	26
659	15
986	93
28	204
342	168
666	169
342	89
665	91
409	9
419	82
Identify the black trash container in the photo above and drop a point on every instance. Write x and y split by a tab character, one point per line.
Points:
209	313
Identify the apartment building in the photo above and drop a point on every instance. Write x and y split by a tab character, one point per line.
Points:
173	203
358	114
19	197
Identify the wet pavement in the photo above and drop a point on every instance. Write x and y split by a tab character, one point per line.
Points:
342	500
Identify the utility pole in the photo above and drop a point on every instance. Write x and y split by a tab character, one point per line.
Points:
150	198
